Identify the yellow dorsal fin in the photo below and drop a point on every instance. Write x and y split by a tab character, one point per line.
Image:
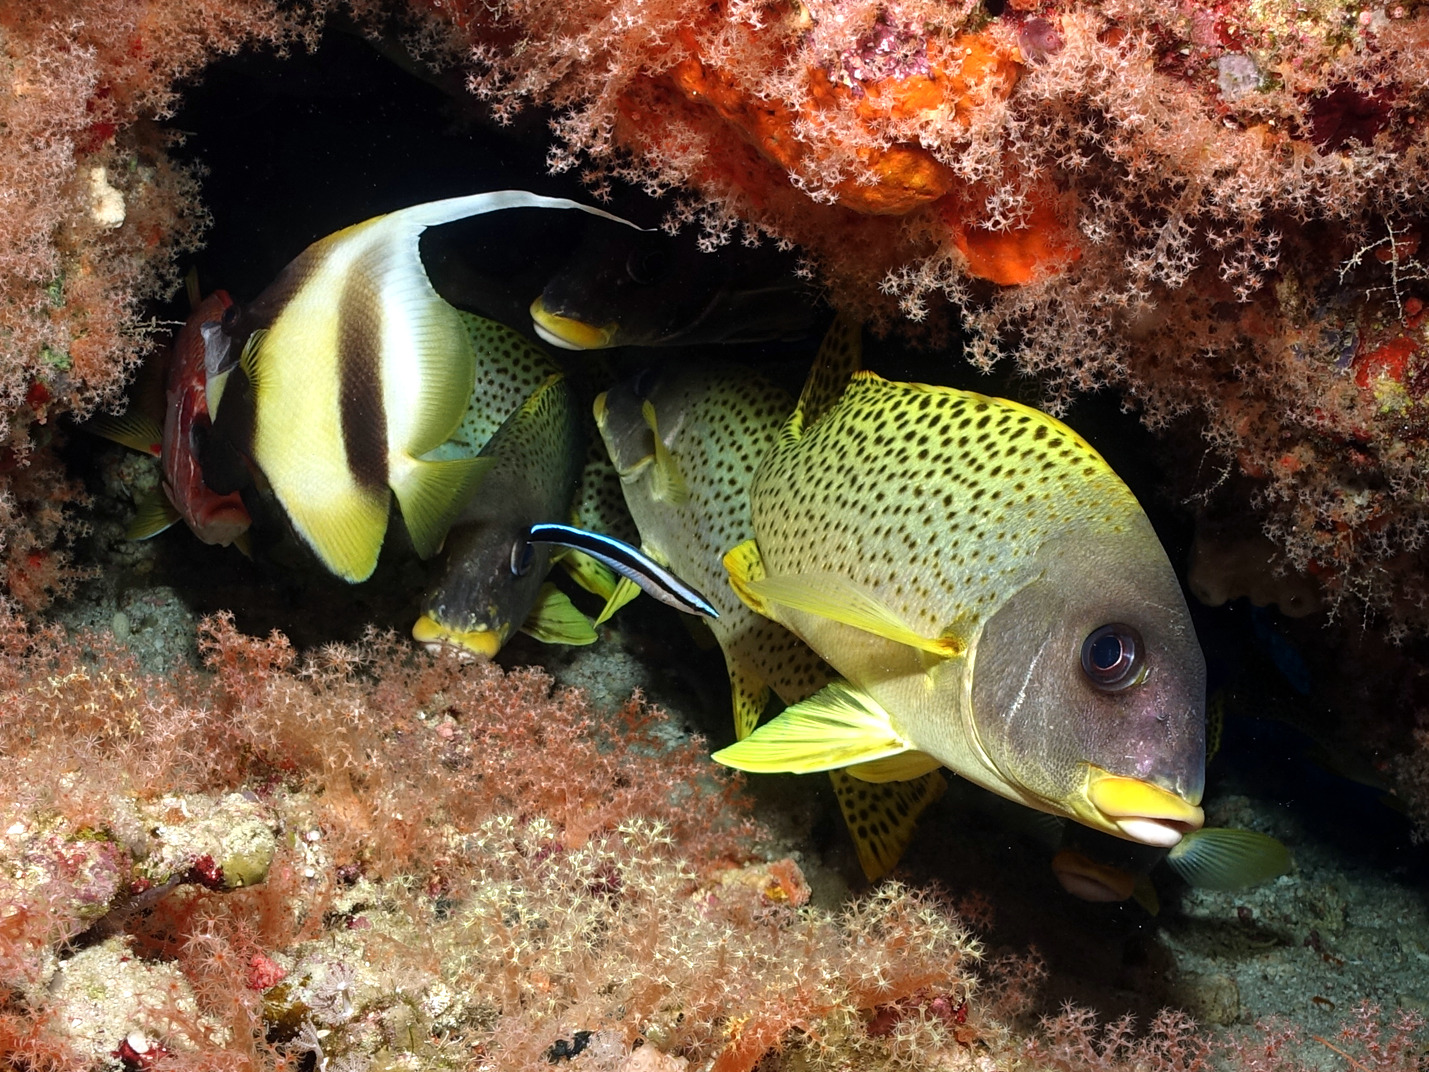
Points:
836	727
152	515
555	620
830	596
667	485
839	357
881	817
137	431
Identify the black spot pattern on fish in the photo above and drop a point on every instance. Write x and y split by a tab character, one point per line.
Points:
509	367
932	499
727	418
359	350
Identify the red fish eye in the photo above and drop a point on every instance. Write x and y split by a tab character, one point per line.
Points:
1112	657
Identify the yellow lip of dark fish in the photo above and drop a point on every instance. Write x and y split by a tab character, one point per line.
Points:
569	333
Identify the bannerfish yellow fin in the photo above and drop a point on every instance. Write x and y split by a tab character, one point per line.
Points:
137	431
881	817
152	515
750	696
1221	858
555	620
1144	894
835	727
244	543
840	356
667	485
745	567
900	768
838	599
432	494
625	591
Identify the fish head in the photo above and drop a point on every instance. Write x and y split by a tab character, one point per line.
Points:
490	582
1088	686
200	353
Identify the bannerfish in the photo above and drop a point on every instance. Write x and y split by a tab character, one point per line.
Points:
214	518
641	288
686	441
350	370
992	595
493	577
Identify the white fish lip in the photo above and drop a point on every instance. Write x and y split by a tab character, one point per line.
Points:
1158	832
553	340
1140	810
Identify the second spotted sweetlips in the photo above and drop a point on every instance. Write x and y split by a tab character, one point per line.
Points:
992	595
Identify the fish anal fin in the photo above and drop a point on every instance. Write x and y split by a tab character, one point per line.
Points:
836	727
152	515
432	493
750	696
881	817
556	620
667	484
833	597
745	568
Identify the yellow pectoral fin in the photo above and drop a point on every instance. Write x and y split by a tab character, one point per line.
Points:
899	768
555	620
153	514
831	596
625	591
667	485
595	577
432	493
1219	858
881	818
835	727
745	567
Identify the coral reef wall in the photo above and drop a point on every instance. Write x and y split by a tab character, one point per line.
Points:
94	215
1213	207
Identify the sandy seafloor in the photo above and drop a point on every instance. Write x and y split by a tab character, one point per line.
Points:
345	135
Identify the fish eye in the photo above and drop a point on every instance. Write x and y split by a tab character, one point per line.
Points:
647	267
1113	657
522	554
229	323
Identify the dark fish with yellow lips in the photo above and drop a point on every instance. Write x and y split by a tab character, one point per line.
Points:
994	598
639	288
350	370
492	576
686	441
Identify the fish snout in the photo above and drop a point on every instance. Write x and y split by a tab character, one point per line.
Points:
1140	810
567	332
470	644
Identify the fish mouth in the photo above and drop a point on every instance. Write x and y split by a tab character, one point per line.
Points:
569	333
1089	880
477	643
1138	810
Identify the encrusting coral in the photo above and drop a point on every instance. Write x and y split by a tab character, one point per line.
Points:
468	870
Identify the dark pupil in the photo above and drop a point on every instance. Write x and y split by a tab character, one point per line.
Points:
1106	652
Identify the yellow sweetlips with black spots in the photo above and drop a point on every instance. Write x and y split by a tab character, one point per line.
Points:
994	599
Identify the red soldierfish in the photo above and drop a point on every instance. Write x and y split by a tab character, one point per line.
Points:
214	518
